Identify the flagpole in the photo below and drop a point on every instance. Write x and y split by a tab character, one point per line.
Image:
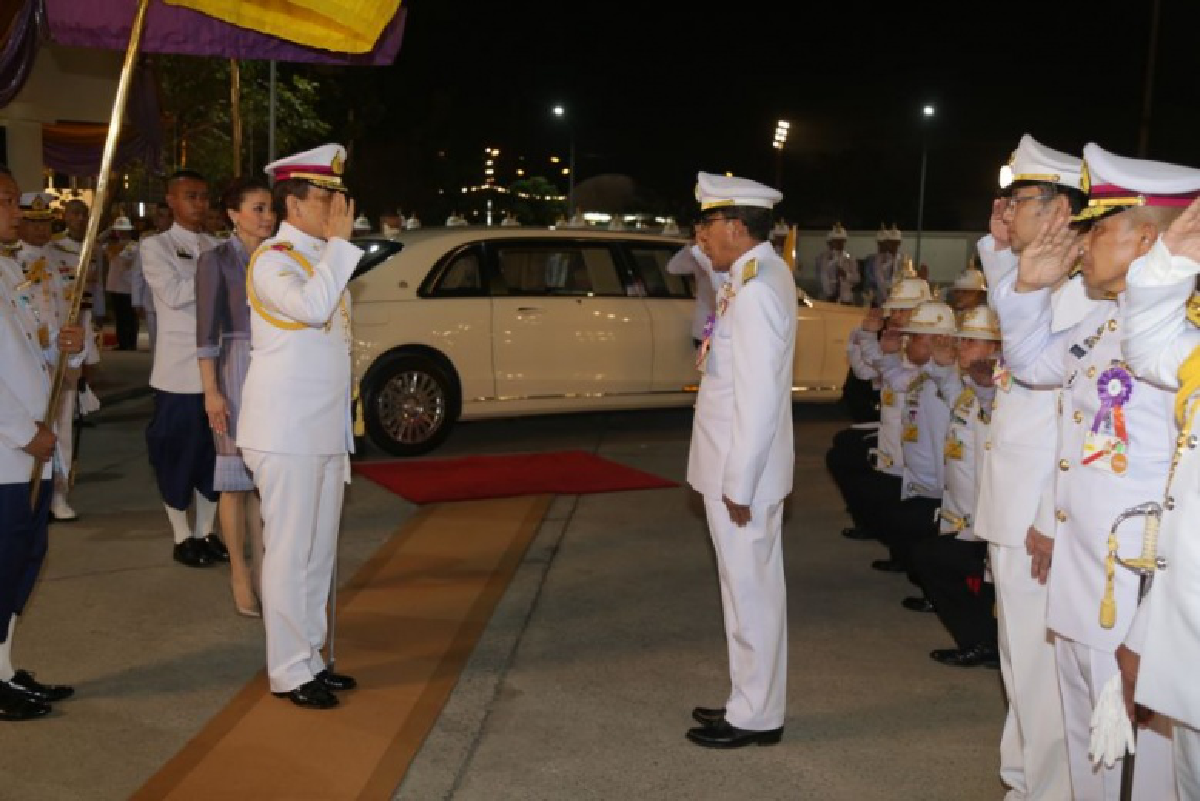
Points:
93	227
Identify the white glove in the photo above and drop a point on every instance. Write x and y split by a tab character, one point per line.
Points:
88	402
1112	731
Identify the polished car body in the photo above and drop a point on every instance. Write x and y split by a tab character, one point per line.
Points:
464	323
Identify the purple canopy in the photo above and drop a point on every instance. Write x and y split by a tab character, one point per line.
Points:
106	24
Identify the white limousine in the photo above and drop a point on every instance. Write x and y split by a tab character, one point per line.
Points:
465	323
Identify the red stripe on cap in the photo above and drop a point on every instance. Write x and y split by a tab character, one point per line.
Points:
1100	191
319	169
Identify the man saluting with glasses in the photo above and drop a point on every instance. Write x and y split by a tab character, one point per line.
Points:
742	452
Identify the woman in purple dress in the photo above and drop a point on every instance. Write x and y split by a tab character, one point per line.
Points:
223	345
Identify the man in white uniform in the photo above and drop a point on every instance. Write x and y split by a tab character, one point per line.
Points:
1162	344
1114	447
1015	510
294	428
178	440
836	269
742	453
24	437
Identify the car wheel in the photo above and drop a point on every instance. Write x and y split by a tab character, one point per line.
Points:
408	405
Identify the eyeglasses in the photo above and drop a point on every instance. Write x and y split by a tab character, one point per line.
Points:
1013	202
707	221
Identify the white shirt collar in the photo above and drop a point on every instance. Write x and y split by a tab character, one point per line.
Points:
301	240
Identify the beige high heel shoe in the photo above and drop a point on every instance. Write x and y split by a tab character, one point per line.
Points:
246	602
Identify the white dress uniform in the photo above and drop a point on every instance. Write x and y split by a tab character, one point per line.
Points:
1114	453
742	449
837	270
24	381
1159	339
295	432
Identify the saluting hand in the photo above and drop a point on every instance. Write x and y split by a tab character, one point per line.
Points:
1051	254
996	225
340	222
889	341
874	320
1183	237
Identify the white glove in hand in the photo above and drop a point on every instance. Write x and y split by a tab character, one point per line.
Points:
1112	731
88	402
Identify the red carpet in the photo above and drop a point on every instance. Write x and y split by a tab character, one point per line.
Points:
477	477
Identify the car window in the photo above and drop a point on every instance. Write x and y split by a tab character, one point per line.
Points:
650	273
462	277
567	269
375	253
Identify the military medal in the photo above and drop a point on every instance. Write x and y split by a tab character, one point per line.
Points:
726	295
887	397
1106	445
1002	376
954	446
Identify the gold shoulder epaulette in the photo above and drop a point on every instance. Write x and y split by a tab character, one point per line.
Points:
1193	309
750	270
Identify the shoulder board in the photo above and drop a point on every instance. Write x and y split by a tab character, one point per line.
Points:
750	270
1193	309
282	246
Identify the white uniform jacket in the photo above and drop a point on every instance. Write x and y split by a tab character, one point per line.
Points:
889	453
1098	477
1166	630
24	380
296	398
970	419
1016	478
925	419
838	272
169	266
863	370
64	253
742	446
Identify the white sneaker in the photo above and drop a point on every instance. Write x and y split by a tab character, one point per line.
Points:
60	511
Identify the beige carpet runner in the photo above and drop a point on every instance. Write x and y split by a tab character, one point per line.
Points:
406	625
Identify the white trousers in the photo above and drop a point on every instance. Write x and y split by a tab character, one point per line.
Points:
301	511
1187	761
1082	674
1033	753
754	604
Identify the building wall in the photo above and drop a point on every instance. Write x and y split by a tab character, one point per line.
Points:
947	253
67	84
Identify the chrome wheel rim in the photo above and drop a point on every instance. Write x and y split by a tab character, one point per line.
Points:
412	407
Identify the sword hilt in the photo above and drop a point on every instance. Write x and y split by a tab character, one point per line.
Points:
1144	565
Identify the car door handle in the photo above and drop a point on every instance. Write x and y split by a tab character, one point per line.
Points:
529	308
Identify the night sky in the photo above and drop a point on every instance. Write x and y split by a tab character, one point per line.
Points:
659	90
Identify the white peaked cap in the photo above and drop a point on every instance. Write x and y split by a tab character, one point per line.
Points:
122	223
322	166
1115	183
931	317
717	191
980	322
1033	161
836	232
362	223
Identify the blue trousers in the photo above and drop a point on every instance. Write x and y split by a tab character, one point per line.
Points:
23	542
181	448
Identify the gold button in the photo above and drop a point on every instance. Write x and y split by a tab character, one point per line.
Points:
1091	372
1191	442
1061	516
1112	325
1169	503
1063	464
987	446
1078	417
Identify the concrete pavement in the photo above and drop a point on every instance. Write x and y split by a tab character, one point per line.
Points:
581	686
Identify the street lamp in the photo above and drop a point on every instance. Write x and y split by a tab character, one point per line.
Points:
927	112
561	112
781	134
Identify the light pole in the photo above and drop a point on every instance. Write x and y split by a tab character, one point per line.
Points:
781	134
927	112
561	113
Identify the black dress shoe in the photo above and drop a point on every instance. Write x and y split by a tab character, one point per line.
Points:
887	566
16	705
193	553
726	735
312	694
707	716
916	604
335	682
977	656
856	534
24	682
216	548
